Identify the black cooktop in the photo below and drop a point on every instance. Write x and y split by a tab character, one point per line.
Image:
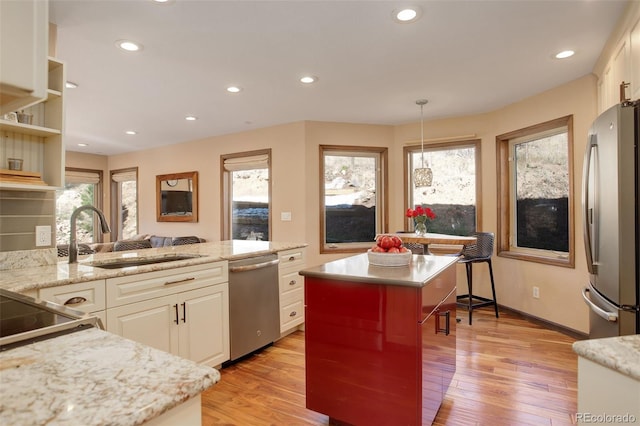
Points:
25	320
16	316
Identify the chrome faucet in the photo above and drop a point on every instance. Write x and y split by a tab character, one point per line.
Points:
73	244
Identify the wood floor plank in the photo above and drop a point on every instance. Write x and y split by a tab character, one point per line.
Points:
509	371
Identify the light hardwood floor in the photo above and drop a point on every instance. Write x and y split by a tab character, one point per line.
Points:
509	371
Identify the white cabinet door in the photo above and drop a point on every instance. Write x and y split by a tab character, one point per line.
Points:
204	324
192	324
152	322
24	45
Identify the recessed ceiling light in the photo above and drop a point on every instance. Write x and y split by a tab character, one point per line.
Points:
129	45
131	132
234	89
565	54
191	118
70	85
162	1
83	144
308	79
407	14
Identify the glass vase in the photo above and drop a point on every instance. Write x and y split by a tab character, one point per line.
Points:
420	228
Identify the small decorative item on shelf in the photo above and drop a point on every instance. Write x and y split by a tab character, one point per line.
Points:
11	116
15	163
420	216
24	118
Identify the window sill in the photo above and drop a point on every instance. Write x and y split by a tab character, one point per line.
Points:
564	261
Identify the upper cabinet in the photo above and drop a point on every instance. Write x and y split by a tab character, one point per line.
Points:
24	44
31	100
619	67
34	135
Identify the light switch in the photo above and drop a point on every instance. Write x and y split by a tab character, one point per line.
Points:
285	216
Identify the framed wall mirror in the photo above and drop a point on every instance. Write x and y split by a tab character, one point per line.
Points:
177	197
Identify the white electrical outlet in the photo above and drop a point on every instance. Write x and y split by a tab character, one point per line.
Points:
536	292
285	216
43	236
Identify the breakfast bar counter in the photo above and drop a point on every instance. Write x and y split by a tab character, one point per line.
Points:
380	345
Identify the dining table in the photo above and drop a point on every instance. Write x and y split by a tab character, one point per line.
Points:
432	238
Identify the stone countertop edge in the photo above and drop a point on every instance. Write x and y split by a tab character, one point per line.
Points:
34	278
93	377
420	271
621	354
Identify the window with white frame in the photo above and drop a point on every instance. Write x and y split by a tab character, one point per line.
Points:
124	203
454	194
246	195
353	182
535	193
82	187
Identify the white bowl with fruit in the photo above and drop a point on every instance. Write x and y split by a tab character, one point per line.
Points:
389	251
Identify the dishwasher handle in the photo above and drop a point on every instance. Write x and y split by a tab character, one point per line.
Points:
253	266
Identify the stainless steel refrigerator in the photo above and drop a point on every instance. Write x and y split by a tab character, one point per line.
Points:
611	217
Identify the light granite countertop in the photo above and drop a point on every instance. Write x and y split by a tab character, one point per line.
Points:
357	269
93	377
17	276
621	354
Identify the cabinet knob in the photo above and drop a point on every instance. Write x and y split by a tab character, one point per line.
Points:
293	314
292	282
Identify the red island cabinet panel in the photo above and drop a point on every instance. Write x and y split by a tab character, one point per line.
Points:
379	354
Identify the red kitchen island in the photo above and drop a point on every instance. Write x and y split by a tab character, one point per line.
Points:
380	342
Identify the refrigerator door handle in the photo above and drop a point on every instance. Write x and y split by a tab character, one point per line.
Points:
609	316
587	214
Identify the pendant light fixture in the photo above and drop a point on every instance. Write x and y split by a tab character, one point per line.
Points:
422	176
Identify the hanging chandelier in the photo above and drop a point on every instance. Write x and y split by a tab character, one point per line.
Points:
422	176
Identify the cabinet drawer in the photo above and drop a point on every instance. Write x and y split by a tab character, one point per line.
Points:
137	288
291	281
291	310
291	259
86	297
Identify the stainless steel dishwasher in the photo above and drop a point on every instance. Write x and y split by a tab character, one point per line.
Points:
254	307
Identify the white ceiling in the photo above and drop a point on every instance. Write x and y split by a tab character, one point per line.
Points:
465	57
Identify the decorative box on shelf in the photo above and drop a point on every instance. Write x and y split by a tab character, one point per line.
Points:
20	176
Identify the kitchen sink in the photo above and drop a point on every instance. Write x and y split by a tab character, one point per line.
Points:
140	261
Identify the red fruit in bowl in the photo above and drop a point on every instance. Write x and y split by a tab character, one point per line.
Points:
403	249
397	242
378	249
393	250
386	242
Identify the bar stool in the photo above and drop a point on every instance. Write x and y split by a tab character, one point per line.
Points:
481	251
